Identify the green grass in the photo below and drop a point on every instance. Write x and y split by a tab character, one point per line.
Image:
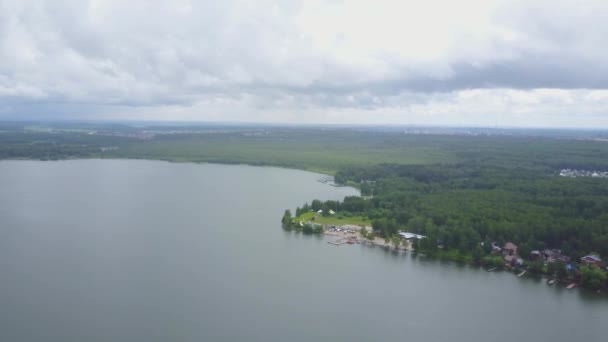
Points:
336	219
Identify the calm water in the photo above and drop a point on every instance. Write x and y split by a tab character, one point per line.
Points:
101	250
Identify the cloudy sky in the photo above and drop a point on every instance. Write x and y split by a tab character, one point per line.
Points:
467	62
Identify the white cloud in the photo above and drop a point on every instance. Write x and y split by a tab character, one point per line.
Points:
386	61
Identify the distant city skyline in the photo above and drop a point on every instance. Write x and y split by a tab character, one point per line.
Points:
470	63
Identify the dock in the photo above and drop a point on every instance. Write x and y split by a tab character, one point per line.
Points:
350	240
522	273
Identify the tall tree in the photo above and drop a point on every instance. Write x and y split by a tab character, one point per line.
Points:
286	220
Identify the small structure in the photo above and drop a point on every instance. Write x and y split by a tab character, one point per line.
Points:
510	248
320	212
535	255
409	236
553	255
331	212
495	248
591	259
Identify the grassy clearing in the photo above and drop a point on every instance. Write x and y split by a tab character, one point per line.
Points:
337	219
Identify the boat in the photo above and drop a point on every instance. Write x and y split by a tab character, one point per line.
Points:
492	269
551	281
521	274
571	286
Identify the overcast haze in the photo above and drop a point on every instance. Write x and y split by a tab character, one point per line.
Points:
483	63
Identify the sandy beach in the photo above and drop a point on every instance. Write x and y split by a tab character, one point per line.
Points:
335	236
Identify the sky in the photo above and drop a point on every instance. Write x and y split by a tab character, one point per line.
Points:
462	63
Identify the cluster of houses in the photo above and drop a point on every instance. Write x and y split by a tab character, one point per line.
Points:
509	251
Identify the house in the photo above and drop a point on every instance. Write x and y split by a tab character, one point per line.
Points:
591	259
510	248
553	255
535	255
514	260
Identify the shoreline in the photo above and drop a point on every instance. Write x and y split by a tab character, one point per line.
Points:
320	172
376	242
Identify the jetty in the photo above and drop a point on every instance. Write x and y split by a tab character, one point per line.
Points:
337	242
349	240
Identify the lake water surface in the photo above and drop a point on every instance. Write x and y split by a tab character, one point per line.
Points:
125	250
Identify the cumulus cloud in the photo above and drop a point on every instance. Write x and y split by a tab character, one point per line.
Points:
386	61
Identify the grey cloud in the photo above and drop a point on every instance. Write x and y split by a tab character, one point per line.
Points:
71	55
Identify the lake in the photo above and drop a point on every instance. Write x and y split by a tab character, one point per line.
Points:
130	250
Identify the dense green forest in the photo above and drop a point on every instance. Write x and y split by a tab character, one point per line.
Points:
463	205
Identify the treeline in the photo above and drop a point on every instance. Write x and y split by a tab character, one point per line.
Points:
53	146
351	204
